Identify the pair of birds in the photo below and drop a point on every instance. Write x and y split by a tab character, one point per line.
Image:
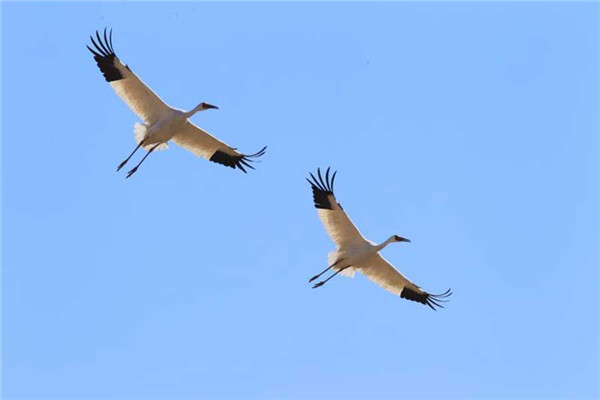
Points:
163	123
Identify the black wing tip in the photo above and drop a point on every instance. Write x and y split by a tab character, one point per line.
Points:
258	154
105	56
323	185
246	159
104	48
241	161
322	188
431	300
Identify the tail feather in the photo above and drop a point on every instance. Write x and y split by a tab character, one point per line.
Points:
139	132
349	272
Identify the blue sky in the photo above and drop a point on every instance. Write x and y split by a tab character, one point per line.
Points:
470	128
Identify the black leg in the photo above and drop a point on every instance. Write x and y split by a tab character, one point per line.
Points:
131	155
327	269
325	281
140	163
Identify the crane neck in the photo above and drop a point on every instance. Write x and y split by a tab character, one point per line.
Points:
199	107
381	246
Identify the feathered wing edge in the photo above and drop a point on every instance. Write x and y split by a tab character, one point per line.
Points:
322	189
106	48
250	158
432	300
105	55
240	161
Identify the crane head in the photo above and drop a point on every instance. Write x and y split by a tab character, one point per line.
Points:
206	106
401	239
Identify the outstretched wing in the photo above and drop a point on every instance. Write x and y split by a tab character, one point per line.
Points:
380	271
203	144
337	223
139	97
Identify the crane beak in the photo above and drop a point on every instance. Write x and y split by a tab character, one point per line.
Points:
404	239
207	106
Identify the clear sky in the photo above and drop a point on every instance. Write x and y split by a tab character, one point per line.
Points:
470	128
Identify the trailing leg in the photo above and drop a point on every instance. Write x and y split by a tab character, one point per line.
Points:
131	155
131	172
325	281
326	269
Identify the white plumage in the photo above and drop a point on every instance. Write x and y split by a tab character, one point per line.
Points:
140	132
161	122
354	252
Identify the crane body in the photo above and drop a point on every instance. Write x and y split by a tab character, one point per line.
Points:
162	122
354	252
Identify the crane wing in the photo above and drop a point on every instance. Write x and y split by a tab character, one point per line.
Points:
139	97
380	271
203	144
337	223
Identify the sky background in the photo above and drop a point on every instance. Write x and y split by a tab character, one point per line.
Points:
470	128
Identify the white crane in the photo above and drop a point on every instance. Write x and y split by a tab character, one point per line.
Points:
354	252
161	122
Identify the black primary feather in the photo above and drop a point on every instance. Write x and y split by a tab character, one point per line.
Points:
322	188
105	56
431	300
223	158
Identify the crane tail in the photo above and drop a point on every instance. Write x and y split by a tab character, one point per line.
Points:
348	272
139	132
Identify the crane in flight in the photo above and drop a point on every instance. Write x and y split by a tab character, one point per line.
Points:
354	252
161	122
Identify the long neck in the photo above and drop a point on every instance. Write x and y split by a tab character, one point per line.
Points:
382	245
194	111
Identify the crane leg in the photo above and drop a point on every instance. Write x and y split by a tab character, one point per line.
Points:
316	285
132	171
326	269
131	155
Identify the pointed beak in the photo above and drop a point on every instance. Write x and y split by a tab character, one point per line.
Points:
404	240
207	106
